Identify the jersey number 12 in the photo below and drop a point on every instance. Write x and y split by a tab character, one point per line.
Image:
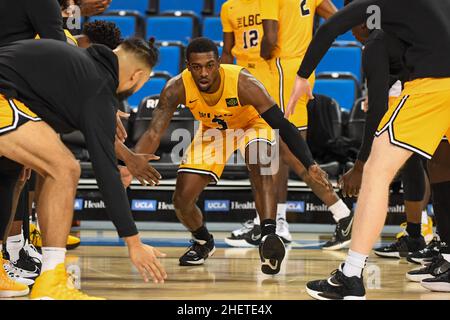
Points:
250	39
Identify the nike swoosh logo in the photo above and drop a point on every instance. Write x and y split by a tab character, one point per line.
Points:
268	263
346	232
192	101
256	238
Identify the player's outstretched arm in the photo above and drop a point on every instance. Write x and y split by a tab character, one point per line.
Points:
228	44
252	92
270	39
172	95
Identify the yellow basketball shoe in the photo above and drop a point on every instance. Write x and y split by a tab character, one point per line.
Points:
56	285
10	288
36	238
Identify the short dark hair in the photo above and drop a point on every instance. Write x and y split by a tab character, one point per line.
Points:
201	45
103	32
145	51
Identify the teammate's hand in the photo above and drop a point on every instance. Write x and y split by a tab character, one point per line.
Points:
139	167
145	259
350	182
125	176
365	104
25	174
121	132
93	7
301	87
320	176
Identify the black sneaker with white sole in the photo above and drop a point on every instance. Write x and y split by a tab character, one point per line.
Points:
249	237
342	234
337	287
436	267
271	252
198	252
428	253
401	248
439	283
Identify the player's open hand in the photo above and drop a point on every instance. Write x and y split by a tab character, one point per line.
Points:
121	132
350	182
301	87
320	176
139	167
93	7
145	259
125	176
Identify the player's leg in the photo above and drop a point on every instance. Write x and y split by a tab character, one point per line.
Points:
195	173
436	275
271	248
416	125
414	186
10	285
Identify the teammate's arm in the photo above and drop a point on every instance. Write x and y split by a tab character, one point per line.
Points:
269	17
326	9
270	39
172	95
252	92
99	128
46	18
228	44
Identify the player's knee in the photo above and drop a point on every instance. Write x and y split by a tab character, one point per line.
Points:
67	171
181	200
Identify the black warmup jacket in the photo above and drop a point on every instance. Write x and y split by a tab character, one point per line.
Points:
73	89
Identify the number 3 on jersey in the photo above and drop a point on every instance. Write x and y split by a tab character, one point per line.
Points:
251	39
305	10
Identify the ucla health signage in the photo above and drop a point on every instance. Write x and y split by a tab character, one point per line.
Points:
217	205
295	206
144	205
78	205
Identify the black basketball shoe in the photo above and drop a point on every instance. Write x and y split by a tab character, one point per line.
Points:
271	252
428	253
198	252
249	236
401	248
438	283
342	234
27	262
436	267
337	287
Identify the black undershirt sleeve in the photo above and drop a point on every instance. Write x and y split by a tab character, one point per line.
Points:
351	15
290	135
376	67
99	128
46	18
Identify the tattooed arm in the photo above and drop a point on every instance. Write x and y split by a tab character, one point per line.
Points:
172	95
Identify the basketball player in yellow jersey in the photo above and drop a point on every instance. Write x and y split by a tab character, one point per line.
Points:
233	107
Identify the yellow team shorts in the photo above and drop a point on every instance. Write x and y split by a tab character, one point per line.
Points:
211	148
13	114
420	117
285	71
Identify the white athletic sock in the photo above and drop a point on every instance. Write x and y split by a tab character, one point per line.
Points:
424	217
281	211
256	220
446	256
1	248
51	257
339	210
13	246
354	264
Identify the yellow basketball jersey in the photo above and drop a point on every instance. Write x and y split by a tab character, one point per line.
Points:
228	112
243	18
295	21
